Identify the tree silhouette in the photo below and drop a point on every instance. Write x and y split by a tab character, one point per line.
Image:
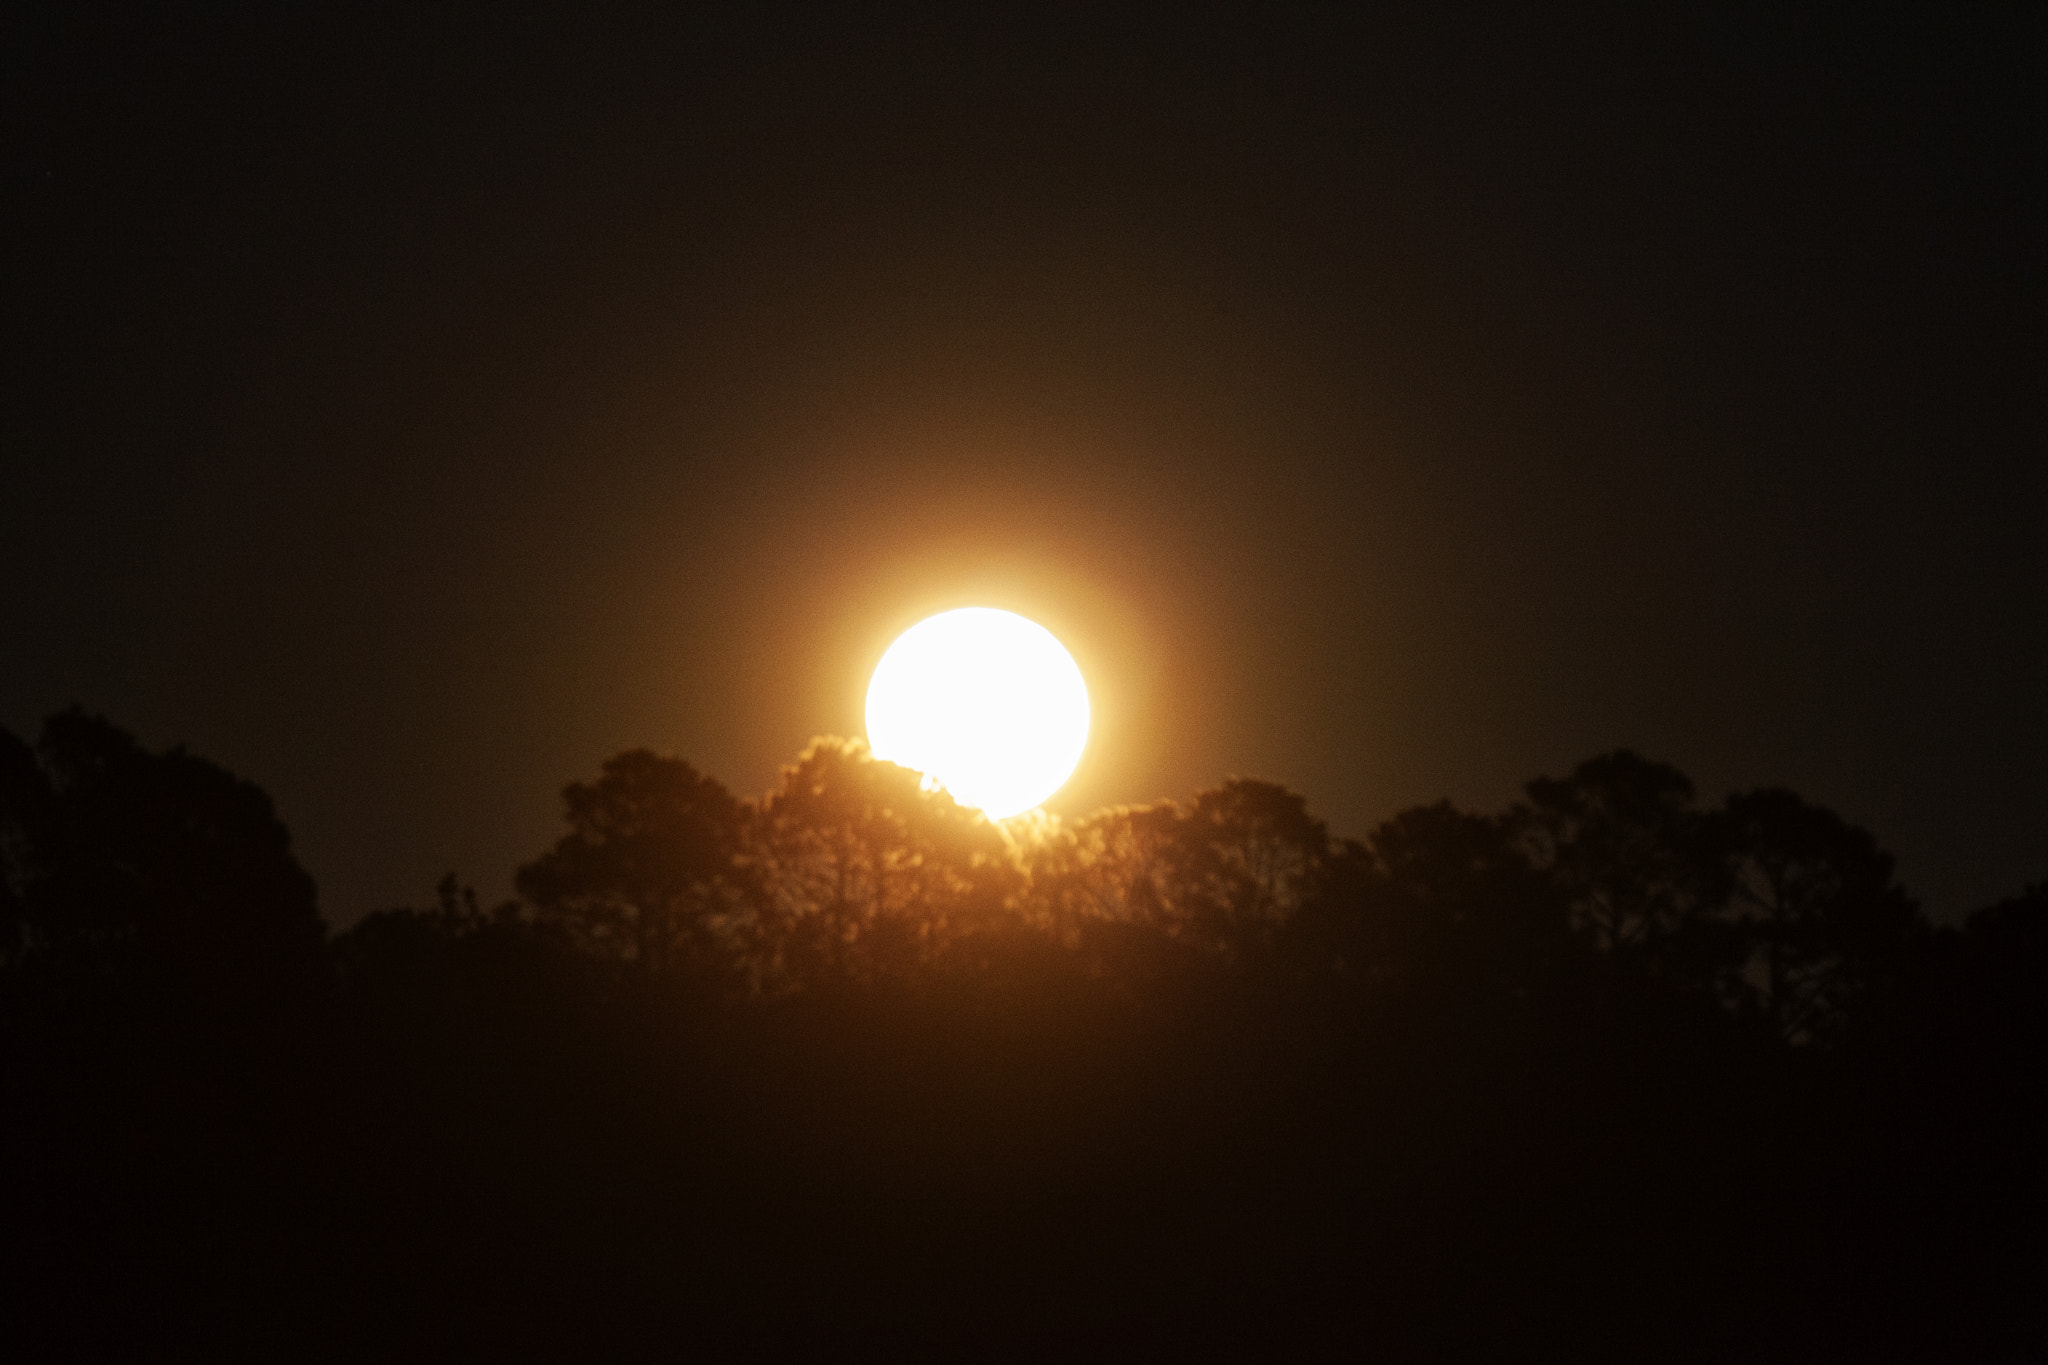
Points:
1446	898
2007	947
1828	929
1219	876
868	872
1112	868
852	1063
1634	863
121	864
652	870
1250	857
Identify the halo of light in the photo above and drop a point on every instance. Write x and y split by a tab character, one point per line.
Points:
985	702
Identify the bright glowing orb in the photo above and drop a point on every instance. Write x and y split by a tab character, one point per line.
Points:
988	704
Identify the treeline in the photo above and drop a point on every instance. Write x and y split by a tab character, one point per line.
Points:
1609	1073
1783	918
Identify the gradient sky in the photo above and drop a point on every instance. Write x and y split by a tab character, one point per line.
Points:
411	409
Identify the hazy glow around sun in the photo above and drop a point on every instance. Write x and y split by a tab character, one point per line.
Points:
986	702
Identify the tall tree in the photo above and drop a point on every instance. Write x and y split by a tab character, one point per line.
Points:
1828	928
1634	861
1219	876
1247	857
1449	898
119	864
652	869
869	871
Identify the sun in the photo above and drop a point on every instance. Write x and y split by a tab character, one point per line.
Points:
986	703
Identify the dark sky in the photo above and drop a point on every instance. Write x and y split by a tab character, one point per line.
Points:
411	409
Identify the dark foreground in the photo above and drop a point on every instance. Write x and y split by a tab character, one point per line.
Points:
457	1133
1215	1174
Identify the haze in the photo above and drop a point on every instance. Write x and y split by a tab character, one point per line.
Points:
1393	411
